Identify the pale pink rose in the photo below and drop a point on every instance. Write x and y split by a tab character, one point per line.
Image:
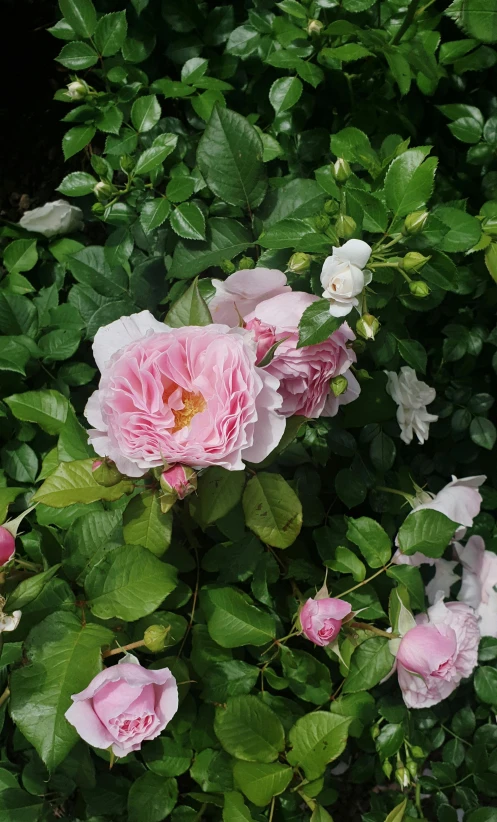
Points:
304	374
479	580
191	395
321	619
435	655
444	579
239	294
7	546
124	706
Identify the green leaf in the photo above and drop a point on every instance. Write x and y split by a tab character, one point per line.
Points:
91	267
389	740
230	158
467	129
317	324
190	309
463	233
47	408
145	524
371	539
382	452
320	815
486	684
154	213
80	14
218	492
414	353
77	56
166	757
285	93
19	806
247	729
20	461
426	531
90	533
483	432
317	739
292	233
8	495
479	18
151	798
397	814
235	809
28	589
308	678
145	112
410	577
179	189
77	184
21	255
59	344
188	221
294	8
272	510
371	662
151	158
73	482
346	53
367	210
110	33
225	239
128	582
76	139
261	781
409	182
350	488
346	562
64	656
233	620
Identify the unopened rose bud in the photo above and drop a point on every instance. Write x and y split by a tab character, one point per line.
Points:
419	288
315	27
127	163
331	207
176	483
415	222
367	327
345	226
155	637
245	263
78	90
341	170
362	375
299	262
103	191
375	732
413	261
106	473
98	209
411	767
7	546
321	222
402	777
339	385
227	266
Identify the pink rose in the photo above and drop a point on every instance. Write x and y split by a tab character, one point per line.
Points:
321	619
191	395
435	655
479	579
124	706
239	294
7	546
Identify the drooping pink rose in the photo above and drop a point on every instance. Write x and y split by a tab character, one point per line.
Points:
437	653
321	619
124	706
304	373
7	546
479	580
191	395
239	294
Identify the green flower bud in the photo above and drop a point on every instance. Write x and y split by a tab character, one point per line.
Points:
299	262
321	222
415	222
402	776
419	288
127	163
367	327
106	473
413	260
315	27
345	227
362	375
375	732
331	207
103	191
246	263
341	170
155	637
359	346
98	209
78	90
227	266
339	384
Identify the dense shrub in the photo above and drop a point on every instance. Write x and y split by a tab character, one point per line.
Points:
240	518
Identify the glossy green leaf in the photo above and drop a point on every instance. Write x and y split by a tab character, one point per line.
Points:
272	510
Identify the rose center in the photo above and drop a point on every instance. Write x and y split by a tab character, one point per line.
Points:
192	404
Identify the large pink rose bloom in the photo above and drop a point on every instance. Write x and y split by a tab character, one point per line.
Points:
321	619
124	706
437	653
479	581
191	395
242	291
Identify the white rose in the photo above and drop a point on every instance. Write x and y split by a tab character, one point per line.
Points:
412	396
54	218
342	276
77	90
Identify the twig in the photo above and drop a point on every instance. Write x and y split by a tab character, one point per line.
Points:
123	649
4	696
411	11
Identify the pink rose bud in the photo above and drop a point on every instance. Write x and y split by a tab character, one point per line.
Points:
321	619
124	706
179	480
7	546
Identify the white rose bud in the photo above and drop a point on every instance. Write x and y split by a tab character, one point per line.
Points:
78	90
54	218
343	277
